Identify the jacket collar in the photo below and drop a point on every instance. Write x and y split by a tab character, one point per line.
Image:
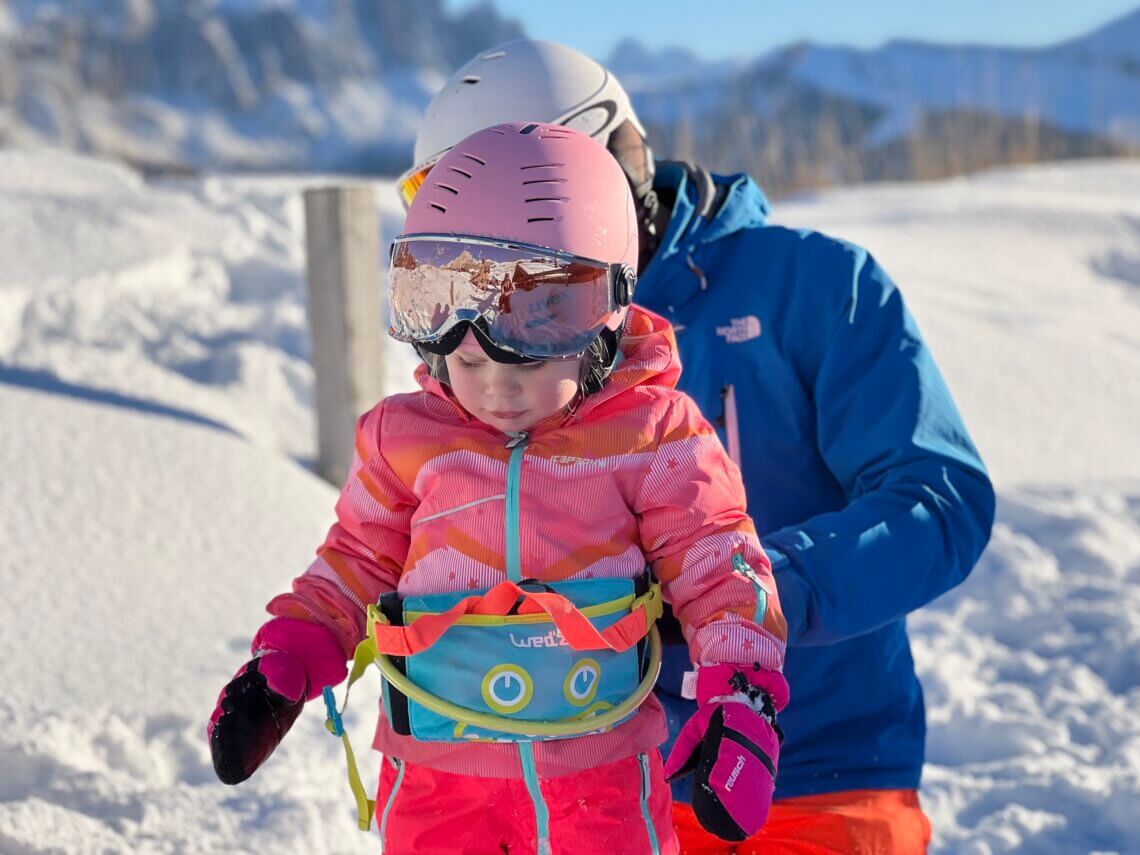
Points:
706	208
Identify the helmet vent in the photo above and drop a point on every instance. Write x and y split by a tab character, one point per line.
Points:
449	189
528	129
540	219
542	166
471	79
463	172
478	160
544	181
439	208
547	199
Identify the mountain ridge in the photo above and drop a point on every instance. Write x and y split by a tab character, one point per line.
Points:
340	85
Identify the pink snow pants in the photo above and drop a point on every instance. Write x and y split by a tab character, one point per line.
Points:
622	808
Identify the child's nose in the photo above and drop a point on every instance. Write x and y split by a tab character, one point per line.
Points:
502	381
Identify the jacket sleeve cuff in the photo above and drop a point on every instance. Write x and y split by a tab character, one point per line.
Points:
314	645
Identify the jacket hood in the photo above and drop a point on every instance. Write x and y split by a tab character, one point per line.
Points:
648	357
706	208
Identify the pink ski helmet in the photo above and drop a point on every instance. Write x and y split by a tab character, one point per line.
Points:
524	231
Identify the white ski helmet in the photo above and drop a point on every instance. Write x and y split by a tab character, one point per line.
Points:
528	81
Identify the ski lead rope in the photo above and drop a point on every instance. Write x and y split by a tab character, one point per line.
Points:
365	807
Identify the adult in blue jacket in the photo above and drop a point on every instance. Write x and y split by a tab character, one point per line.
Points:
869	495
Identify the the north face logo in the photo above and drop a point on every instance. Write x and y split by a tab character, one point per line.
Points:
741	329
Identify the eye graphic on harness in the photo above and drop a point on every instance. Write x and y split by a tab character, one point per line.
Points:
507	689
581	684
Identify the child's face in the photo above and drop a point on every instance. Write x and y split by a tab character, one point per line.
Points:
509	397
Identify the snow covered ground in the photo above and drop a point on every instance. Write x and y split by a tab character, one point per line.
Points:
155	409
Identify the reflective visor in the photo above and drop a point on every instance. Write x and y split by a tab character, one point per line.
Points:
533	301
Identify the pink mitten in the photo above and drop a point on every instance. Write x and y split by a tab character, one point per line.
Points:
733	745
293	660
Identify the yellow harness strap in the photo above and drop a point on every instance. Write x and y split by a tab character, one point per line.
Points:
365	807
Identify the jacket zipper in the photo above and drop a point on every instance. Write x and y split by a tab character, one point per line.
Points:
517	444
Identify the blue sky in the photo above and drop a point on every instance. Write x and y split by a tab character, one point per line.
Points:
746	28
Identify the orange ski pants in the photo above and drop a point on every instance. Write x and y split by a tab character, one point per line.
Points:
856	822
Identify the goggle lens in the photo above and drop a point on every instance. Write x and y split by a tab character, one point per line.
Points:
533	301
410	184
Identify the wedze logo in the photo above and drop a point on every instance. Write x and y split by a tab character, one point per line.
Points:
551	639
735	772
740	330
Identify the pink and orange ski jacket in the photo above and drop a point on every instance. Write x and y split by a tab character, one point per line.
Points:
634	475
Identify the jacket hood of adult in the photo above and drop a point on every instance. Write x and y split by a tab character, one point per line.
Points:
704	209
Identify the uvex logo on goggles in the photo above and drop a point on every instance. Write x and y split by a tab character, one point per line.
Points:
532	301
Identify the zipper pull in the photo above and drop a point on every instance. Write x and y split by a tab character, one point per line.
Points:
517	438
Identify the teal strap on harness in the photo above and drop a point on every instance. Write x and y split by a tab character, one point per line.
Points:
335	724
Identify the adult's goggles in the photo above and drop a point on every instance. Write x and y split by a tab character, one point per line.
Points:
535	302
410	182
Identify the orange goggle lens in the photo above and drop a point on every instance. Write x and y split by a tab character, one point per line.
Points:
410	184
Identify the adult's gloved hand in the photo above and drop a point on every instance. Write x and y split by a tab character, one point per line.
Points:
293	660
732	744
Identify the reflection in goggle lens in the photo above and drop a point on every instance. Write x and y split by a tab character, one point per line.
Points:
411	184
533	301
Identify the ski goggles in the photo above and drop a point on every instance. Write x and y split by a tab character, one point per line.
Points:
529	300
409	184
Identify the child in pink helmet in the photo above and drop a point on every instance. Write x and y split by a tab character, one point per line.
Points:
492	540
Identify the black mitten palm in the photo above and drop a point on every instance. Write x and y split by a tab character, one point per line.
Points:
253	716
293	660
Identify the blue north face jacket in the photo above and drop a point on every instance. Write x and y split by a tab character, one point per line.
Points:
868	493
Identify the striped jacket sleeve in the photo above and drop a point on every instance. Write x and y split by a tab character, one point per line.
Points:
703	547
363	554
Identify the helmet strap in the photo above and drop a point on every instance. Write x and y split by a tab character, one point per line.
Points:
653	215
600	360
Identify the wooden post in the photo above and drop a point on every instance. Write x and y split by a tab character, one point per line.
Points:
342	228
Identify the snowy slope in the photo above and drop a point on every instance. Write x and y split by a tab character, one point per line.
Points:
155	404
